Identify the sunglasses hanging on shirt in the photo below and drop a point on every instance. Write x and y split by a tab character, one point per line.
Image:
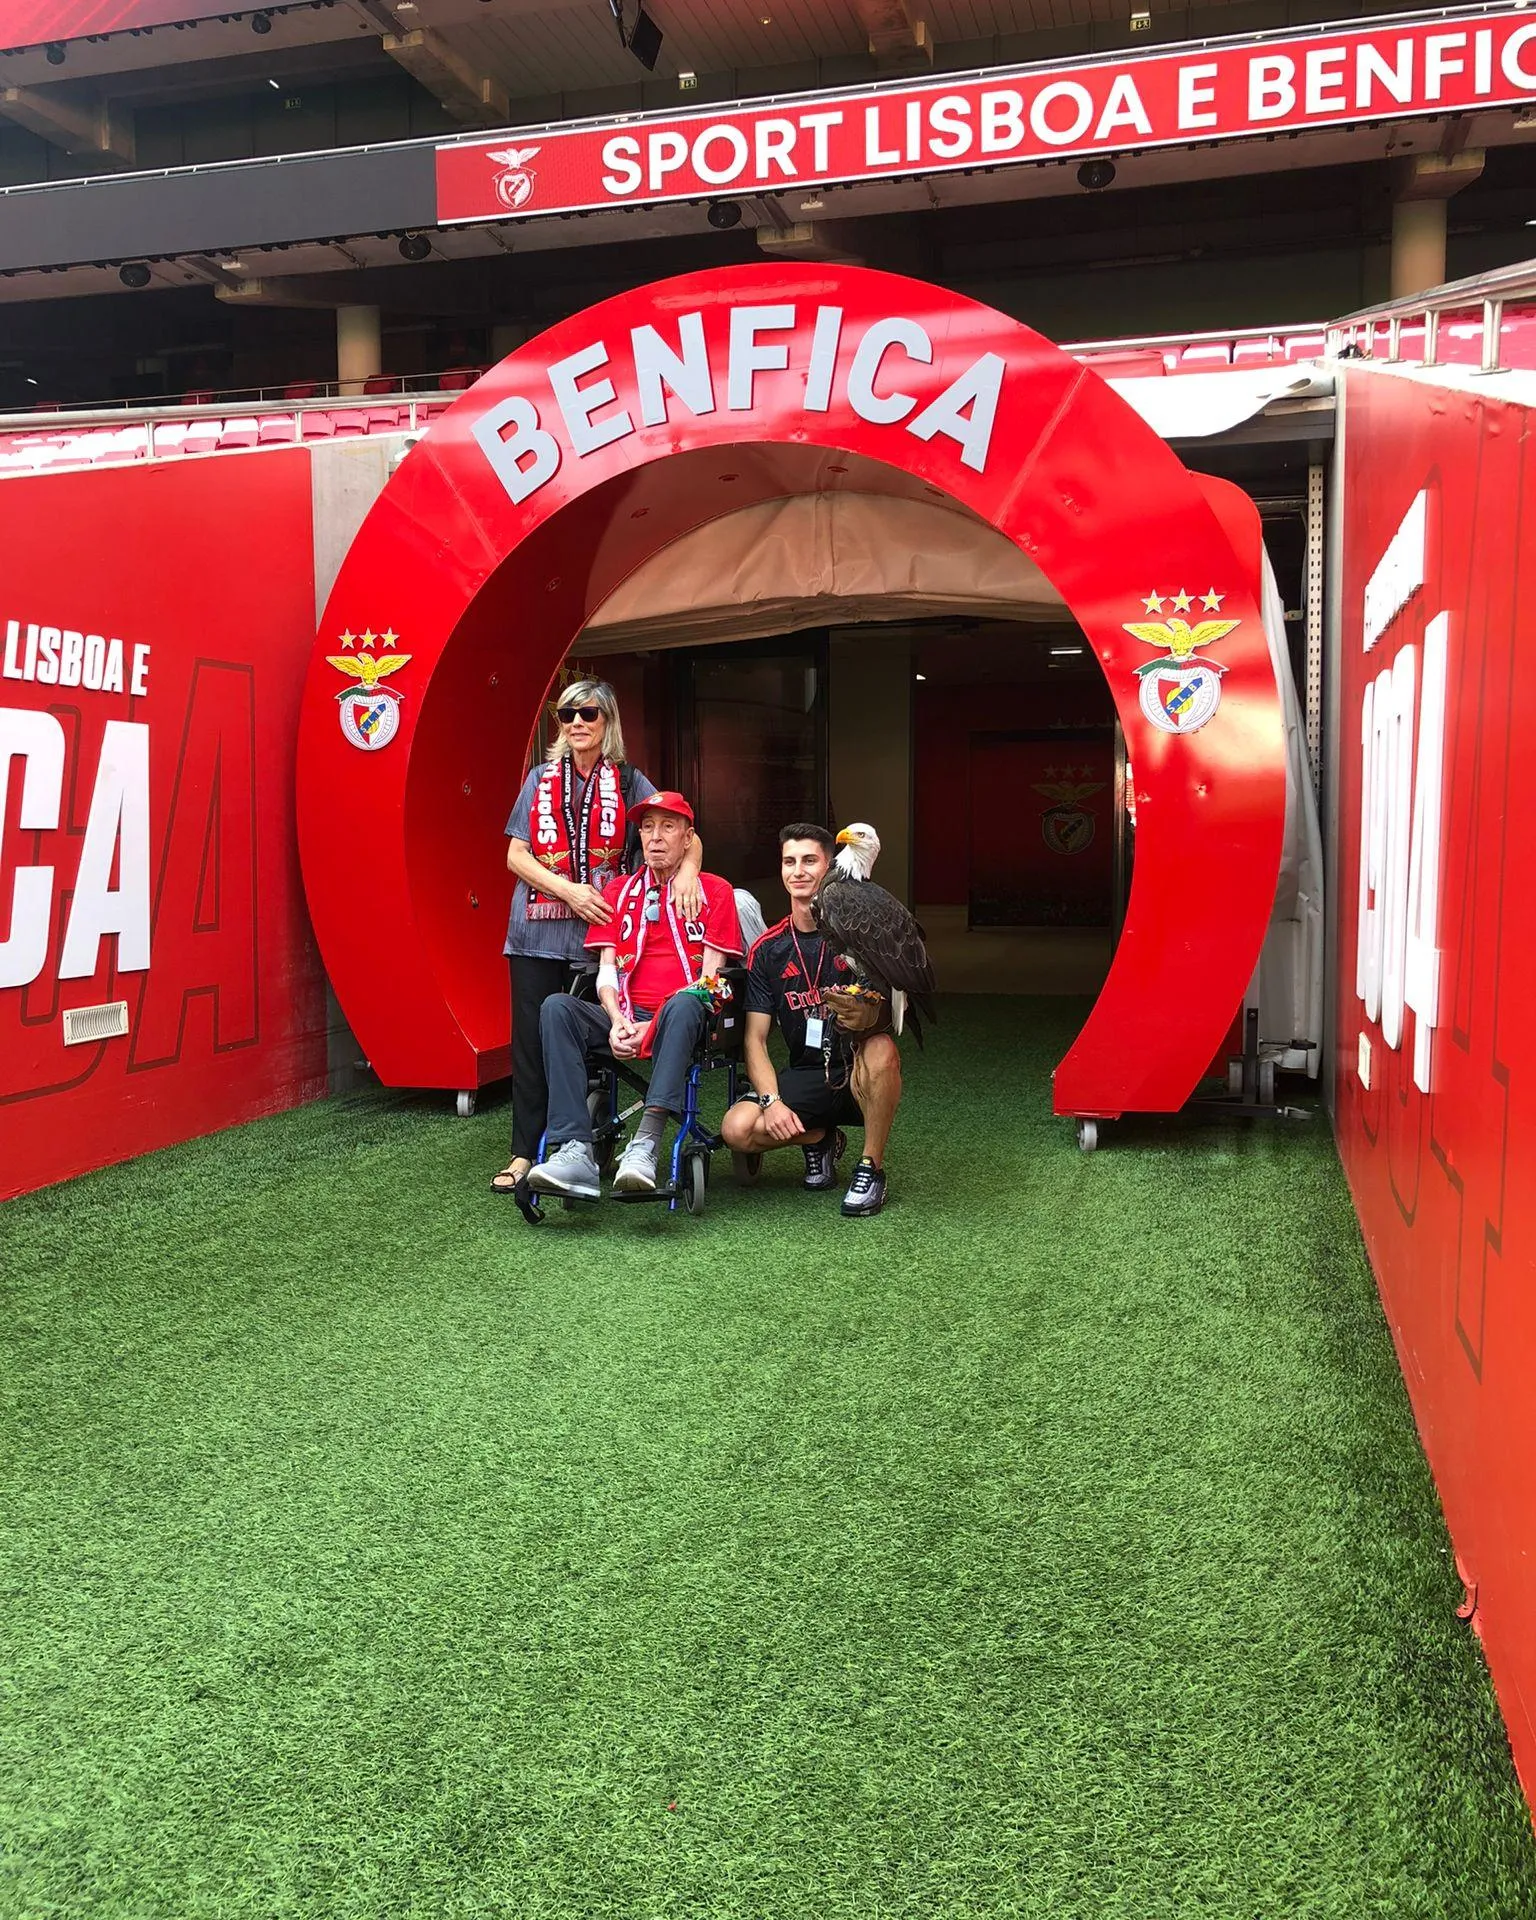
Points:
652	905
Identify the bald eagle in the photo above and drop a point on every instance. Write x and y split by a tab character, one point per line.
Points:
873	932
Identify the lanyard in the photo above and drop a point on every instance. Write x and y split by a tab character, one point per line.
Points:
821	958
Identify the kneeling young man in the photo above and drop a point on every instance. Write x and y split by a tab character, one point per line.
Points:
791	971
648	955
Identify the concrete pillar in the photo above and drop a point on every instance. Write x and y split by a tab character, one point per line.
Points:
506	337
869	743
1418	246
1424	185
359	347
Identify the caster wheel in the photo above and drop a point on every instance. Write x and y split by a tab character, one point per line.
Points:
745	1167
465	1105
695	1180
1088	1136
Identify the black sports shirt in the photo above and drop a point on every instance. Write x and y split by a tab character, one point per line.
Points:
787	975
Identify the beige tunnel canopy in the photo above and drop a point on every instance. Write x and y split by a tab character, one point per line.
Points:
823	559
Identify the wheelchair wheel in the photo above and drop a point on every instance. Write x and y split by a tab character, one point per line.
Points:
605	1133
745	1167
695	1179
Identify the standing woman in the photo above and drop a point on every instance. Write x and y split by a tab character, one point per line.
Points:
568	837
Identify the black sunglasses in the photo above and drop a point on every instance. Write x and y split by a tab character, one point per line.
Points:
565	715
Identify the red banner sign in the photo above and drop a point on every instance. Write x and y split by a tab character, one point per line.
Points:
32	23
1227	90
1434	1026
157	975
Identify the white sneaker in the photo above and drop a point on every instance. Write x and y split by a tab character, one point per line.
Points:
570	1171
637	1168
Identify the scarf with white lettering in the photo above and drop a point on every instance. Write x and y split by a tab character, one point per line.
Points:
590	850
631	925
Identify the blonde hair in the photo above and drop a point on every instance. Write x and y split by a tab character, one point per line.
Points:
591	693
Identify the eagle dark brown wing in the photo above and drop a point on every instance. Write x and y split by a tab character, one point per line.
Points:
881	938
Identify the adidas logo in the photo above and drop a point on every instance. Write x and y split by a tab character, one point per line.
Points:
791	972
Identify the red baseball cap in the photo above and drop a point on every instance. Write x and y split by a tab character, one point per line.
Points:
664	803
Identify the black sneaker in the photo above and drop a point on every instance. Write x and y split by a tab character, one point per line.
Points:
866	1191
821	1161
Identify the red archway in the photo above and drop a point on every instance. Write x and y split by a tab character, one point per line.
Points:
641	418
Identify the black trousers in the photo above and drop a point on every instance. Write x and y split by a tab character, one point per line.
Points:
533	981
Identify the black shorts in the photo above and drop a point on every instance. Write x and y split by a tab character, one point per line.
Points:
805	1089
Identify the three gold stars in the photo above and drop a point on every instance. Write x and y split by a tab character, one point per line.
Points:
368	638
1183	600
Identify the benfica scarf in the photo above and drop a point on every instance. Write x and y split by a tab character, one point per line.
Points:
631	926
590	850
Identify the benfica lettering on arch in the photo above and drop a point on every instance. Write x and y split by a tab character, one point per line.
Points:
621	429
1231	89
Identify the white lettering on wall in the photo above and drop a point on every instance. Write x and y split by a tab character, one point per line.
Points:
1402	742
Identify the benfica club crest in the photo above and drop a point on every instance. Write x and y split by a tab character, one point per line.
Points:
514	184
1067	827
369	712
1179	694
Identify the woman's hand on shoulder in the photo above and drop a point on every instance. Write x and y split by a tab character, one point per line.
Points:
688	896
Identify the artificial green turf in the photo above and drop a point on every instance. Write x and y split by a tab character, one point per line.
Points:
1057	1544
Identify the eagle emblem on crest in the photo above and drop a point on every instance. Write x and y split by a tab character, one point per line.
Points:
369	711
514	184
1181	691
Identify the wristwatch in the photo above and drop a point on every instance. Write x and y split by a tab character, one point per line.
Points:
766	1100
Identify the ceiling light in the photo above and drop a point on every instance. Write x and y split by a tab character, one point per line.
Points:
724	214
1095	174
30	381
54	54
277	84
1064	652
920	676
134	274
415	246
261	23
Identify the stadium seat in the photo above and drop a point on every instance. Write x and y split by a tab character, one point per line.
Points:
240	433
381	383
316	426
277	429
349	423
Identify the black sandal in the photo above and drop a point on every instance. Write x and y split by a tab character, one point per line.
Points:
513	1183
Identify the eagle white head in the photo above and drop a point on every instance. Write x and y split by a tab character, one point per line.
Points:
860	849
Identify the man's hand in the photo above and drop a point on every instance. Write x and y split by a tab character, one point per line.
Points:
854	1012
626	1037
782	1122
688	895
588	904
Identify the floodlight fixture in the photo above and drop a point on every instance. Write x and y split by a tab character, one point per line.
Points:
723	215
134	273
1095	175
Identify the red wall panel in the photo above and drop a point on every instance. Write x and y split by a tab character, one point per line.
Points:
1441	1175
157	804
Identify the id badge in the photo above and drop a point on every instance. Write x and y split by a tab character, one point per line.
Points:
814	1027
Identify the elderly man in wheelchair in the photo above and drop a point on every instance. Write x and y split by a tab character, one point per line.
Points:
656	1002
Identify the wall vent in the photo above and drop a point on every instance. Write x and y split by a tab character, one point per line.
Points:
95	1023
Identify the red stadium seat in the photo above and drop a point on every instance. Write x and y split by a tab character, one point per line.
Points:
277	429
349	423
302	390
316	426
381	383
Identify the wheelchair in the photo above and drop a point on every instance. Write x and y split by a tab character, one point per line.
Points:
693	1145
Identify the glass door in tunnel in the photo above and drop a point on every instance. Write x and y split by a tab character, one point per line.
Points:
752	723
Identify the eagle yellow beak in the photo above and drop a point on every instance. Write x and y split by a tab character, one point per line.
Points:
844	838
